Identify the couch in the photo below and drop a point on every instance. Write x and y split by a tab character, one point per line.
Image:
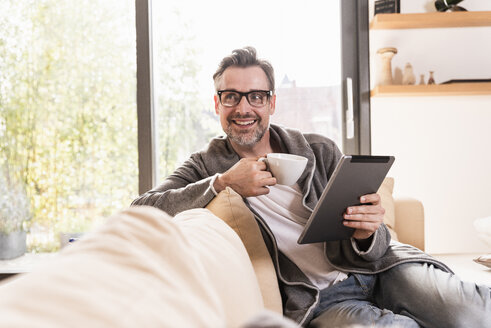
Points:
142	268
404	217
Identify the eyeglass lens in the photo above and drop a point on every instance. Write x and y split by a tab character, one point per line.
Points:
255	98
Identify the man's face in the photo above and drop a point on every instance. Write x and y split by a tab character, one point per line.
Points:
244	124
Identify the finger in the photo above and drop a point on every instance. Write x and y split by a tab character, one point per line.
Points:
370	198
262	191
364	217
261	166
367	226
365	209
263	179
259	176
270	181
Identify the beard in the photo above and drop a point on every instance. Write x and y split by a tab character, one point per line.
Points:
246	138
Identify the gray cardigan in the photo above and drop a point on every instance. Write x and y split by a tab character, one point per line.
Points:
190	186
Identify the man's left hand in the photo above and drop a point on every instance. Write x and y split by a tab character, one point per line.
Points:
365	218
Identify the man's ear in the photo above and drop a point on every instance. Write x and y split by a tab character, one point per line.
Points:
217	102
272	104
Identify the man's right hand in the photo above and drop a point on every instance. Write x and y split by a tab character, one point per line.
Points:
248	177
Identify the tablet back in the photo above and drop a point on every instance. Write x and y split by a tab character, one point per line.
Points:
353	177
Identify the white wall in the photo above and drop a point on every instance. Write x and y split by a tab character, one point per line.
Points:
442	149
442	144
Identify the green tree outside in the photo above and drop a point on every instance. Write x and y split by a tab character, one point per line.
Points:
68	109
68	125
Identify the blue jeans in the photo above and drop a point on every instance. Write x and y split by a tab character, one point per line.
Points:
408	295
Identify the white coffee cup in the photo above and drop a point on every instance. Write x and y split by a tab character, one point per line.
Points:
286	168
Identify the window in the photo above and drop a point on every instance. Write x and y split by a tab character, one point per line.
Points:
68	128
302	41
68	131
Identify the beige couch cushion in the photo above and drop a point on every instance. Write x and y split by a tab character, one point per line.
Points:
140	269
230	207
387	200
410	225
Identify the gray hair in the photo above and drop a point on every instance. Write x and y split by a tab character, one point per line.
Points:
244	57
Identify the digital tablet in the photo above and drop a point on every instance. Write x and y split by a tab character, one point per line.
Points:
353	177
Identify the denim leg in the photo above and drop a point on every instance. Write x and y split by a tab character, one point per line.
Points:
433	297
349	304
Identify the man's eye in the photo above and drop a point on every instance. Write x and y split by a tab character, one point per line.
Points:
256	96
231	97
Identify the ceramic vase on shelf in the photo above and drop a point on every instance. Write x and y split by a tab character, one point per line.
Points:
408	77
384	75
422	79
431	79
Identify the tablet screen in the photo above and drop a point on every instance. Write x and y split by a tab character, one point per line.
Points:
353	177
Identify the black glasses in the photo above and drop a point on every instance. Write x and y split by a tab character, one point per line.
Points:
255	98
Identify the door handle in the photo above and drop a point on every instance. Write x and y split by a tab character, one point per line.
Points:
350	123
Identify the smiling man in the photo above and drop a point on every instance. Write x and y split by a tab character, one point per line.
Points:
244	102
245	122
363	281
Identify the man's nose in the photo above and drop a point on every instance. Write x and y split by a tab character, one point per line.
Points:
243	105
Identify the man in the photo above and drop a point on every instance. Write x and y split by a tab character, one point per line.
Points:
343	283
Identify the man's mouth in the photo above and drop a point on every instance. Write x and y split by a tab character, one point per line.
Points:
244	122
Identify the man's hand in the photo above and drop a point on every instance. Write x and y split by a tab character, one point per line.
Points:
247	177
365	218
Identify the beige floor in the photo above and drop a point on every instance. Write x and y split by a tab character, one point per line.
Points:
464	266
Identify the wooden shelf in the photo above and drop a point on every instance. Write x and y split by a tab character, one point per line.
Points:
431	20
454	89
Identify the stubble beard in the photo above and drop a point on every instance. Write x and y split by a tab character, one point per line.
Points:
247	139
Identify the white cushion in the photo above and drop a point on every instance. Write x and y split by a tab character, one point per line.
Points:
141	269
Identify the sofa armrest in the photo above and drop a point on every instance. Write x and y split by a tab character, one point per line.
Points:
409	222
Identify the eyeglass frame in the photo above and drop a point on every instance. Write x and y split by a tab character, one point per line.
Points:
269	94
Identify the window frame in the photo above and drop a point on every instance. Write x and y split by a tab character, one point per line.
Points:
355	75
147	158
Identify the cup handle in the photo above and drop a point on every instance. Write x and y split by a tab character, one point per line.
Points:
265	160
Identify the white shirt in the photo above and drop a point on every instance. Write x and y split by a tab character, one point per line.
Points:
283	211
